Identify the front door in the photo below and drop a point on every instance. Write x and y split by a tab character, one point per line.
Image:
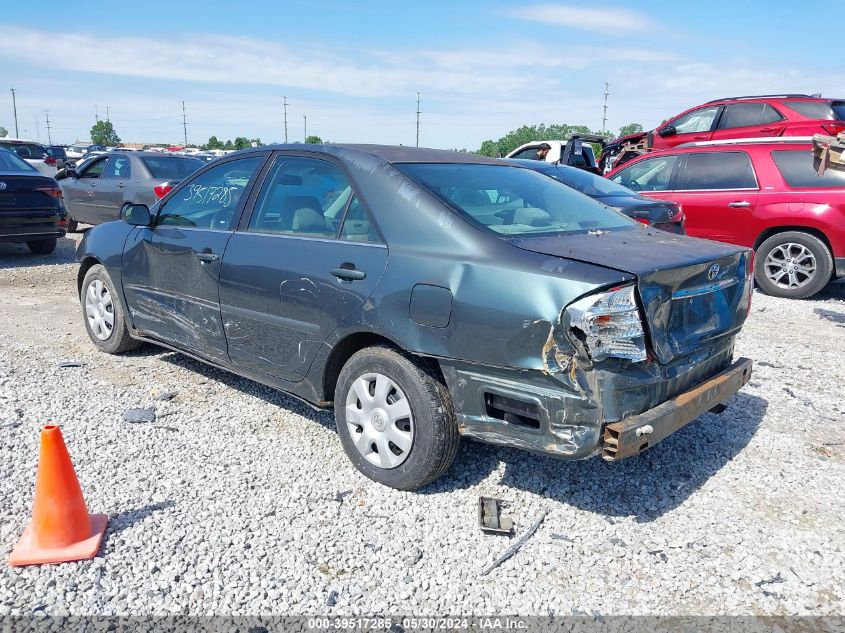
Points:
718	192
81	192
308	257
171	270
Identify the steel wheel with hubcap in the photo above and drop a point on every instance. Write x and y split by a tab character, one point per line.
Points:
395	417
99	309
103	313
792	264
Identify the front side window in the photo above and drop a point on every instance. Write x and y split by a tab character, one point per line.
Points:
717	170
529	153
94	169
700	120
302	196
514	201
118	167
796	167
651	174
210	200
747	115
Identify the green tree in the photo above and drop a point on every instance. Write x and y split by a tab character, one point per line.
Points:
314	140
228	145
631	128
488	148
214	143
241	142
102	133
3	132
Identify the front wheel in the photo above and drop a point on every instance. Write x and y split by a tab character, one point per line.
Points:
395	418
793	264
103	314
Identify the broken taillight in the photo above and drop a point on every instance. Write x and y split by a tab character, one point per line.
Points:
611	325
162	190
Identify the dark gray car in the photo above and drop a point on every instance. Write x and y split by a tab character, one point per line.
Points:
101	187
426	295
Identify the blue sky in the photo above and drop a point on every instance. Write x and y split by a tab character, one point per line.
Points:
354	68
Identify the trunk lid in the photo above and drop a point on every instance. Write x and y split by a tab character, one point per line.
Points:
694	292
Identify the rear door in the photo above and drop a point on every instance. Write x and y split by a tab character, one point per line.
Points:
171	271
110	187
718	192
749	120
307	257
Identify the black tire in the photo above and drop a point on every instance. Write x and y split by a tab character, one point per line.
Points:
42	247
72	225
119	340
435	430
776	246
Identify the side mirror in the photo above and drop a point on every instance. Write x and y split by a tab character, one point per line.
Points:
669	130
137	215
70	172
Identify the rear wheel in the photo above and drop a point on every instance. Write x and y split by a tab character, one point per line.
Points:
793	264
103	314
42	247
395	419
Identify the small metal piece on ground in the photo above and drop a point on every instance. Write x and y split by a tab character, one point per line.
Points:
71	363
490	519
515	547
331	599
139	416
165	396
719	408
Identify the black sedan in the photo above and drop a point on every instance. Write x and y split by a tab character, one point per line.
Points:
666	216
426	295
31	206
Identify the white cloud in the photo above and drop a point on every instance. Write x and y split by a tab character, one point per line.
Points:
603	20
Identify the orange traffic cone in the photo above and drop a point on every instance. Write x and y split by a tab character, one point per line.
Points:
61	529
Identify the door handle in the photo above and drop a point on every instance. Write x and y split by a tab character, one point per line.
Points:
739	204
349	274
121	185
207	256
769	129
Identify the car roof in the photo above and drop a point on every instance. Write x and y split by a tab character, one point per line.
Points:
729	147
388	153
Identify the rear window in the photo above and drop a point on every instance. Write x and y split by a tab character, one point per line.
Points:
587	183
824	110
11	162
57	152
797	169
25	150
513	201
717	170
171	167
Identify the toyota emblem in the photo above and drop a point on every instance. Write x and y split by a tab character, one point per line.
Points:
2	185
713	272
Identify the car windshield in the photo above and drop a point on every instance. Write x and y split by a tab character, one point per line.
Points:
171	167
587	183
514	201
11	162
825	110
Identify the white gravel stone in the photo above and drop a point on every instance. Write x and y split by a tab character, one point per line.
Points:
240	500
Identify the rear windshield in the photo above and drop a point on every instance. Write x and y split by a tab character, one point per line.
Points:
11	162
797	169
24	150
588	183
57	152
513	201
171	167
825	110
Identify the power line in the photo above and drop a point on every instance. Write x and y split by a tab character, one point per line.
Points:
418	119
47	117
285	104
15	108
604	117
184	124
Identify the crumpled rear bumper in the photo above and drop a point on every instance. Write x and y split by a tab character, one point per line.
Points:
637	433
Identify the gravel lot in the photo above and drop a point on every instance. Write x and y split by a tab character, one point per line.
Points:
240	500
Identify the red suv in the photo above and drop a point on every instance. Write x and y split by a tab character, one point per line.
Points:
766	195
731	118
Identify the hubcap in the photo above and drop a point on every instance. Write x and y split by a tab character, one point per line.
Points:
99	309
379	420
790	265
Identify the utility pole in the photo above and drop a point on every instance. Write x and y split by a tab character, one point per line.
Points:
305	125
418	119
107	114
47	117
96	113
15	108
37	130
285	104
604	117
184	124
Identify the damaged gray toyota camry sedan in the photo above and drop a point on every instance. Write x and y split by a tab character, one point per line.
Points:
426	295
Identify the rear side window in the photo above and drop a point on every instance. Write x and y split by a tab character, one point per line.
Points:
170	167
747	115
717	170
25	150
823	110
796	167
118	167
